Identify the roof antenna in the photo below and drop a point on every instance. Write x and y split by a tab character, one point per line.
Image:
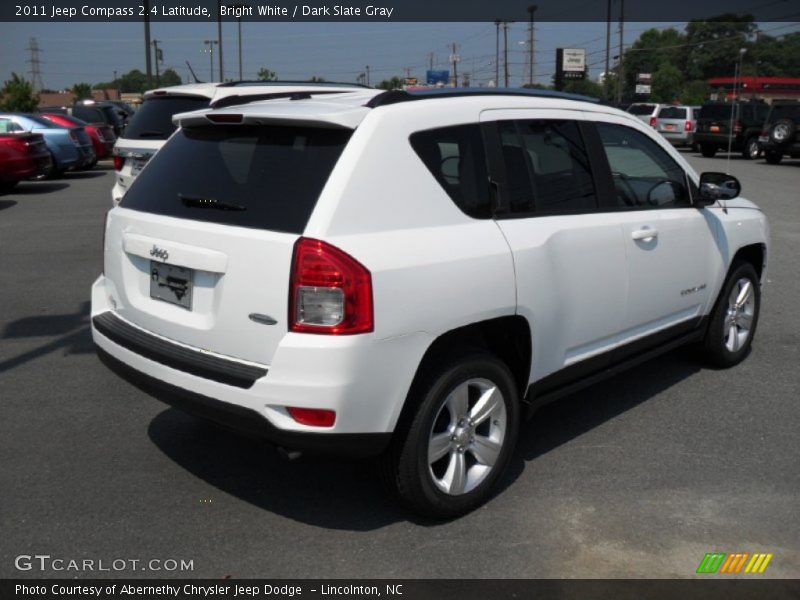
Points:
191	70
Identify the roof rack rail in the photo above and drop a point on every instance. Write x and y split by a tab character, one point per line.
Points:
395	96
246	82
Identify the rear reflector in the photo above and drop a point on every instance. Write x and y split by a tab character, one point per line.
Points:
225	118
315	417
330	292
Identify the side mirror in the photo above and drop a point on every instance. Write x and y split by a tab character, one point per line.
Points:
717	186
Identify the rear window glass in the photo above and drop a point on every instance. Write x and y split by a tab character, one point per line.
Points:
456	159
785	112
153	120
641	109
90	114
716	111
672	112
259	177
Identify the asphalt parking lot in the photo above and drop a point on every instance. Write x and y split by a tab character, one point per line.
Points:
639	476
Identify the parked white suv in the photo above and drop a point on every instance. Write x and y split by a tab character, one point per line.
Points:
410	274
152	125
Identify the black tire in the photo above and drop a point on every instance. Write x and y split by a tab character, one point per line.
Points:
405	467
708	150
694	147
715	350
751	149
7	186
773	157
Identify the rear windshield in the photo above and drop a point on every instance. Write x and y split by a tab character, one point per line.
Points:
672	112
153	120
259	177
641	109
785	112
716	111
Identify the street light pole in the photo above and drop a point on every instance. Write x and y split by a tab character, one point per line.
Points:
531	41
497	54
210	50
239	26
148	66
158	74
737	71
367	69
219	39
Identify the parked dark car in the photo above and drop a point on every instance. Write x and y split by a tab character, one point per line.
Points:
91	111
714	130
22	156
781	133
101	134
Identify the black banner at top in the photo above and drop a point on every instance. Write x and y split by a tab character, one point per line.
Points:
391	10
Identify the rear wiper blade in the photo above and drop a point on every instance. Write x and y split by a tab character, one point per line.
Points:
197	202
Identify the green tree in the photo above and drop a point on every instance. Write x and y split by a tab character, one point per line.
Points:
81	91
667	83
695	92
265	74
133	82
714	45
317	79
587	87
652	48
17	95
393	83
170	77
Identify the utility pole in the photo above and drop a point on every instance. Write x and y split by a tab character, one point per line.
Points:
531	42
505	52
621	64
367	74
36	63
219	39
608	50
210	50
497	54
239	26
430	61
148	66
454	58
157	52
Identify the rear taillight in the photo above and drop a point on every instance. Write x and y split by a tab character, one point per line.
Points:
652	121
118	162
316	417
737	128
330	292
687	126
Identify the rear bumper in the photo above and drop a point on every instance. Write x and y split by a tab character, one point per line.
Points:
720	140
245	421
678	138
26	168
364	380
792	149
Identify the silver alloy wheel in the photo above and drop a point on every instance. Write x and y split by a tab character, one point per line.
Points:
753	149
739	319
467	437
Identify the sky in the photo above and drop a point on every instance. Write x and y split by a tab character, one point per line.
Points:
91	52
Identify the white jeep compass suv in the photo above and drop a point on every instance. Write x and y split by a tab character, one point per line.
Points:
410	274
151	125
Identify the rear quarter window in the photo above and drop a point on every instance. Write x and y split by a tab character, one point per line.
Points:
264	177
456	158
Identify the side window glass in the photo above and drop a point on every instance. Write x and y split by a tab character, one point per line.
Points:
547	170
455	157
562	179
645	176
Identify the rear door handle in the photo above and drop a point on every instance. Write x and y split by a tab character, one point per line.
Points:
645	233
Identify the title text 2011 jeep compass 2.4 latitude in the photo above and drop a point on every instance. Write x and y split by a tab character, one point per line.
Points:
407	274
